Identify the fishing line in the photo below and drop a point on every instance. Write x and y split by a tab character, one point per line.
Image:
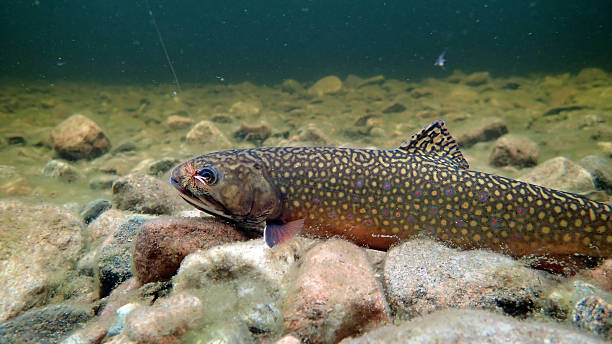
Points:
161	41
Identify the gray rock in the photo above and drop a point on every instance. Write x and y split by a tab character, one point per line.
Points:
491	129
102	182
94	209
113	262
594	314
144	194
119	321
159	167
515	151
39	248
125	146
561	174
473	326
44	325
422	276
62	171
601	170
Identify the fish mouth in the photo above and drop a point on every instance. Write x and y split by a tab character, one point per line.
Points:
205	202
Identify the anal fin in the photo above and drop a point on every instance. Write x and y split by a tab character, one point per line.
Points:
276	234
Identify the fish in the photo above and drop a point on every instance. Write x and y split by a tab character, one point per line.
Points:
441	60
377	198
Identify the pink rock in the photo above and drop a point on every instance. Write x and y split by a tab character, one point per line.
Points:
288	339
335	295
179	122
78	137
602	275
162	244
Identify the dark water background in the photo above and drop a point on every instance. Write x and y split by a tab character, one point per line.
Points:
268	41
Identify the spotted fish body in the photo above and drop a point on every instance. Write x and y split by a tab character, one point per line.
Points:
379	197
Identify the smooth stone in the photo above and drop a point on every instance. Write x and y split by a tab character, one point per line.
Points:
255	134
145	194
422	276
335	294
477	79
489	130
515	151
161	166
179	122
245	109
601	170
162	244
78	137
93	209
62	171
327	85
208	134
560	174
473	326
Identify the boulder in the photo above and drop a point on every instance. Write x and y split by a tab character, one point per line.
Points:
78	137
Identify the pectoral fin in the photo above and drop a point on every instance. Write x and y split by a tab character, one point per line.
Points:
275	234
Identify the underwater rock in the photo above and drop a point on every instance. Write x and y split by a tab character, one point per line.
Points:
102	182
395	107
125	146
515	151
594	314
62	171
179	122
589	75
256	134
78	137
45	325
38	249
245	109
207	134
335	295
114	258
119	322
309	135
327	85
292	87
491	129
162	244
288	339
602	275
242	281
421	92
472	326
165	321
601	170
161	166
144	194
104	225
477	79
374	80
560	174
422	276
93	209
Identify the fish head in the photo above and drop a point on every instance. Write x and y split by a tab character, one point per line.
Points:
230	184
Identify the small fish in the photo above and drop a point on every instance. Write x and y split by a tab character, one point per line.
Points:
379	197
441	60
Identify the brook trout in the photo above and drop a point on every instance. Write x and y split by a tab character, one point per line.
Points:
379	197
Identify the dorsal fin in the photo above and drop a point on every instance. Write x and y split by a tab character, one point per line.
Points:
435	140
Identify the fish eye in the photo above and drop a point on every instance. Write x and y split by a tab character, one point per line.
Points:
208	174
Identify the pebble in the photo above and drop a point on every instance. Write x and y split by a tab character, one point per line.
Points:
491	129
245	109
601	170
292	87
162	244
45	325
206	133
103	226
45	244
113	260
560	174
125	146
256	134
62	171
78	137
142	193
477	79
463	326
422	276
328	85
335	294
102	182
93	209
179	122
395	107
515	151
594	314
159	167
